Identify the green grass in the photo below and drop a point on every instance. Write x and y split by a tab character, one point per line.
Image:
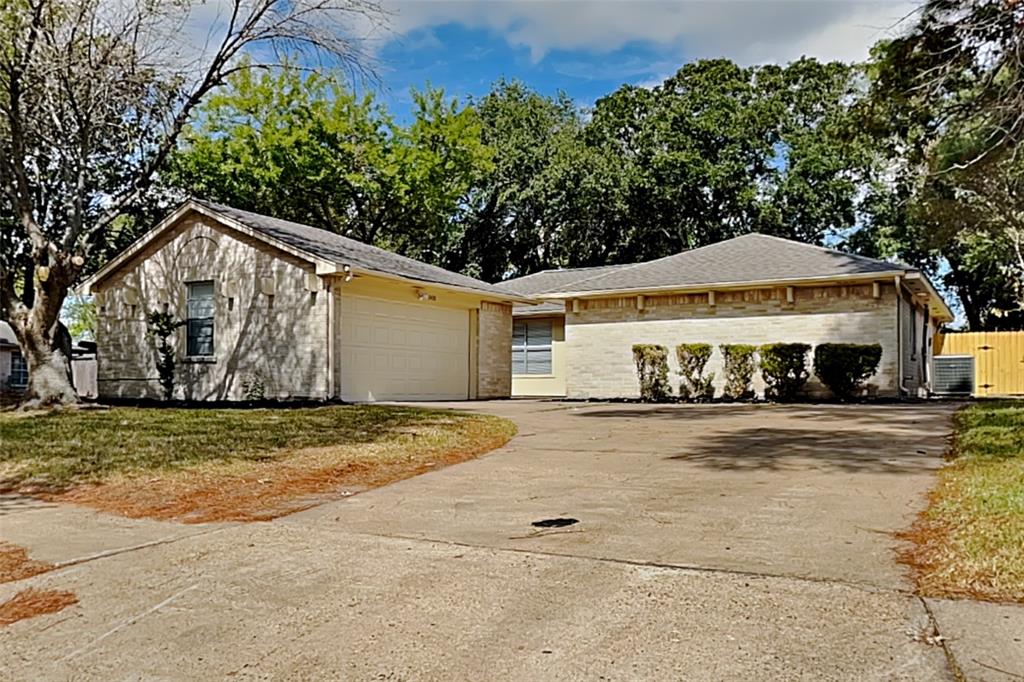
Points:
61	449
970	540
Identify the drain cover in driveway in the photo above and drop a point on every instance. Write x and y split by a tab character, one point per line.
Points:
554	523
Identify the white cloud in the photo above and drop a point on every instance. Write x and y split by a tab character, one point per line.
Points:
744	30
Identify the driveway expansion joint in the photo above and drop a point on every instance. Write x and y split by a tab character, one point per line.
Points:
168	540
954	667
693	568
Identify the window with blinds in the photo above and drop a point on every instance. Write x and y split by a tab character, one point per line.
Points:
199	323
531	347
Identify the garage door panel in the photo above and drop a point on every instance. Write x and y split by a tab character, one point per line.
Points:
403	351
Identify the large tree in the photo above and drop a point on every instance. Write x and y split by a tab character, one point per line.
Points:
304	147
718	150
946	109
93	97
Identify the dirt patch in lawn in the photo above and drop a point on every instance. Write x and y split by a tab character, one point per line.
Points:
15	564
34	602
292	480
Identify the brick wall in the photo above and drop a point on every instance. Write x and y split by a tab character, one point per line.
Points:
494	348
600	336
280	338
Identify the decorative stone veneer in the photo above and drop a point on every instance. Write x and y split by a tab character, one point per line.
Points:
280	337
601	334
494	343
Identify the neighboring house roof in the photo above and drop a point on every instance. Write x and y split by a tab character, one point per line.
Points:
7	339
317	245
751	259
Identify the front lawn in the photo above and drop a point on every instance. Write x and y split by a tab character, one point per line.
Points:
201	465
969	542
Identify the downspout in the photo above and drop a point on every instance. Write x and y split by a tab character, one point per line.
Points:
331	392
903	390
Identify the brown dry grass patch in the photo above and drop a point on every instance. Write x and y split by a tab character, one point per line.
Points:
34	602
15	564
967	542
292	479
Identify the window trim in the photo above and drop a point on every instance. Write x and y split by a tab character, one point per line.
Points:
526	347
200	357
10	378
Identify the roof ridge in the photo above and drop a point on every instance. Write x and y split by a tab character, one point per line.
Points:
819	247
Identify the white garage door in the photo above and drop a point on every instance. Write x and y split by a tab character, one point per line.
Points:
403	351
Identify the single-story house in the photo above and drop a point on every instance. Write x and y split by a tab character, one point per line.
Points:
281	310
754	289
13	370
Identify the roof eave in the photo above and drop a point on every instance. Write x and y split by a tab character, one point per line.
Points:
793	281
946	314
496	295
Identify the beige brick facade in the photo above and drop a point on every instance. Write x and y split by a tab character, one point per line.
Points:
601	333
278	336
271	319
494	348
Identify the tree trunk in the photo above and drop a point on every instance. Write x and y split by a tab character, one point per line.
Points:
45	342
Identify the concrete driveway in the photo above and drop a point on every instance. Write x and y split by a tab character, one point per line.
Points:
711	542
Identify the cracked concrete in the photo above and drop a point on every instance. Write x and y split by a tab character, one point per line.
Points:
715	542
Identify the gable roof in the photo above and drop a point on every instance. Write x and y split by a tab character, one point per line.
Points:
329	250
746	259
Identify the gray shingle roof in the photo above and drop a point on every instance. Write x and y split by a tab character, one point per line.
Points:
338	249
749	258
555	280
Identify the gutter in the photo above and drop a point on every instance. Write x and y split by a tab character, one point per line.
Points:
750	284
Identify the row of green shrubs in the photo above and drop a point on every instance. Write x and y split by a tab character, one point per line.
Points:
842	367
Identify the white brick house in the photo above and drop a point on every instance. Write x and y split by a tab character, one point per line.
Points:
304	312
753	289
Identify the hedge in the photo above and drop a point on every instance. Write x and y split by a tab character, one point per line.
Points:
652	371
784	370
738	361
844	367
694	384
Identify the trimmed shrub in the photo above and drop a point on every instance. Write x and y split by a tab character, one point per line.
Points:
738	361
784	369
652	370
694	384
844	367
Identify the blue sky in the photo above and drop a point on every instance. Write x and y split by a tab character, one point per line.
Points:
588	48
466	62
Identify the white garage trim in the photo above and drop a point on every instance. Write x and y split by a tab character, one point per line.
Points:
392	350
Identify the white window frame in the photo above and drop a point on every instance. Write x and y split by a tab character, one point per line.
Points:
189	286
526	347
20	371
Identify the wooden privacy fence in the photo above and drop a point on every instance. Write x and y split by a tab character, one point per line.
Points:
998	360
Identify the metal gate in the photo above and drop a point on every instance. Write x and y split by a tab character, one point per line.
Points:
998	360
